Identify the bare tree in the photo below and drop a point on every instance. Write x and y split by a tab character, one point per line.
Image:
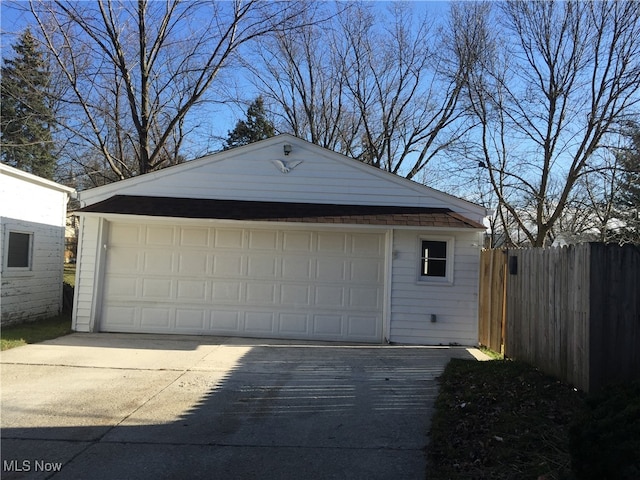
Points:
567	79
384	90
136	69
298	76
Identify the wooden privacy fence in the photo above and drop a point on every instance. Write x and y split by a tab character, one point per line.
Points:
574	311
493	299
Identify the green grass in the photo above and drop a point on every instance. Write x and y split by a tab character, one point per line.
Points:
69	275
501	420
491	353
34	332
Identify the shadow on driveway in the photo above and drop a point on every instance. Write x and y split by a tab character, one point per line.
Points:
217	410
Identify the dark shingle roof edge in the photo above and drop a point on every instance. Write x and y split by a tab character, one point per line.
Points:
250	210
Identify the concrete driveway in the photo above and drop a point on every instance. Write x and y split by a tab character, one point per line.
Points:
110	406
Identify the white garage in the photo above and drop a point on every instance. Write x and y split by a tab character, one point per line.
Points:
279	239
162	278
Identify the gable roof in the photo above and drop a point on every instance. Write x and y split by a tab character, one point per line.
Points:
282	212
34	179
251	173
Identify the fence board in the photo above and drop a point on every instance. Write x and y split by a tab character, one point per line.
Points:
615	315
542	329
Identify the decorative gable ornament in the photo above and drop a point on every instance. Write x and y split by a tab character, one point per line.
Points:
284	166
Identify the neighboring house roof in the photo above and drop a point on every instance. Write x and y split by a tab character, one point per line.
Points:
28	177
282	211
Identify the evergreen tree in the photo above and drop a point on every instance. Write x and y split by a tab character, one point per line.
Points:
26	115
256	127
629	198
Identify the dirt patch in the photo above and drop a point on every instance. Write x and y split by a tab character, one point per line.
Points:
501	420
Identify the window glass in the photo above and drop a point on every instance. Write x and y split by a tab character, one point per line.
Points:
18	254
434	259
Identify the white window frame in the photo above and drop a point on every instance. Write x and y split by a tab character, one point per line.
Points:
449	268
5	261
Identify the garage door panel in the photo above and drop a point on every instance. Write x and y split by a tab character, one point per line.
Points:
229	238
327	325
125	234
295	295
263	240
262	266
226	321
155	318
361	326
366	244
158	261
366	271
160	235
119	318
159	288
193	263
229	292
248	282
297	268
123	260
261	293
331	269
328	296
332	242
259	322
364	298
297	241
225	265
194	237
194	290
294	323
120	286
191	319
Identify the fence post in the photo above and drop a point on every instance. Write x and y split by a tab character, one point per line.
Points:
492	299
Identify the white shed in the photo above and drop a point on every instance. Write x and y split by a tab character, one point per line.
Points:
32	222
281	239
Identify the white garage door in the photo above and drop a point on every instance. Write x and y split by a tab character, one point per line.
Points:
254	282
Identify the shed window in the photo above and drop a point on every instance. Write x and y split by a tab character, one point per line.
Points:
433	259
19	251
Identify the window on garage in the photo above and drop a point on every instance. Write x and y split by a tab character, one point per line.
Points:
19	249
436	260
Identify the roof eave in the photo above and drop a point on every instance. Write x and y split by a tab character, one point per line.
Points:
271	223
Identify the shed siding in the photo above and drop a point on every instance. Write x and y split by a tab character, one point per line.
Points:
454	305
38	210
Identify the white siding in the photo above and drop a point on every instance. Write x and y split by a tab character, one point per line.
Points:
86	274
26	197
412	302
247	173
29	205
36	293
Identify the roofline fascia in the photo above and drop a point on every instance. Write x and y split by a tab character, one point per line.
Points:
265	223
